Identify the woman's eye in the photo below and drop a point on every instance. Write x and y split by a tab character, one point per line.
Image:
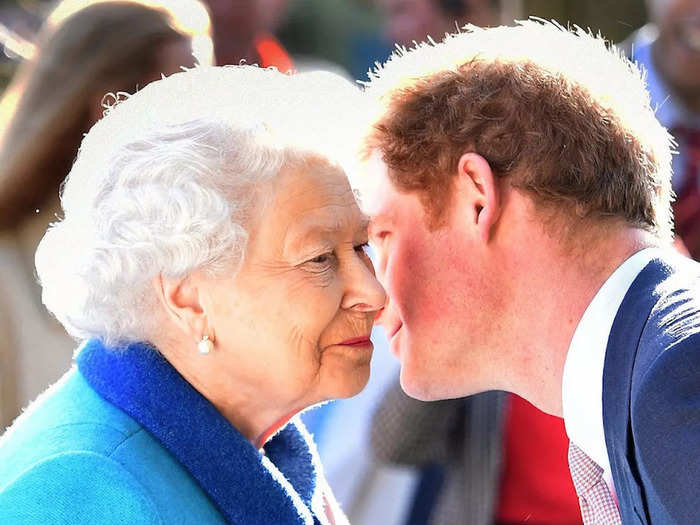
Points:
363	248
321	259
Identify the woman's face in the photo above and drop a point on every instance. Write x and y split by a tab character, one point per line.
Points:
293	325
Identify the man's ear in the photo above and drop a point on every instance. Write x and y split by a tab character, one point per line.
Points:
182	300
479	193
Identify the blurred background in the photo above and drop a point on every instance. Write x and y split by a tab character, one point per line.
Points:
353	34
389	459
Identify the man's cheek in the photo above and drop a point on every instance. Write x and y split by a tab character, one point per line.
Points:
405	291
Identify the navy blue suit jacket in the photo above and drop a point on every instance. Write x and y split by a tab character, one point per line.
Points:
651	395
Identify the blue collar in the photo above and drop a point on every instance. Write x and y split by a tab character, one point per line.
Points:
246	486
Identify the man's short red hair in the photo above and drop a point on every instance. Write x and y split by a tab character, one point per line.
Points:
562	116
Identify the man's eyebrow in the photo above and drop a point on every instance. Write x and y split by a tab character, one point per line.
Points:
383	218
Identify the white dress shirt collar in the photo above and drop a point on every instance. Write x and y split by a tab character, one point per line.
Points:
582	382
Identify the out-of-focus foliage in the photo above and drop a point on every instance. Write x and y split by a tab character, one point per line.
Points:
615	19
349	32
346	32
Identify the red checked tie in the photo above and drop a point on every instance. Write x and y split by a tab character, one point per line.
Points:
598	506
686	209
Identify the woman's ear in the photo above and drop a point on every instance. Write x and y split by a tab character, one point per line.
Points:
182	301
478	193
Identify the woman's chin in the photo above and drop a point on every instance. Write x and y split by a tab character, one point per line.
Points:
351	384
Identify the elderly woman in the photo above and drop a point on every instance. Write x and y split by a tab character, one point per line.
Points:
211	255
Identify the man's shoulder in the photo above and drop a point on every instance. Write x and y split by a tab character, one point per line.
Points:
664	305
655	337
664	393
667	362
674	317
668	351
665	293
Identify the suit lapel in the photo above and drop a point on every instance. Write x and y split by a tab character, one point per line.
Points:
620	356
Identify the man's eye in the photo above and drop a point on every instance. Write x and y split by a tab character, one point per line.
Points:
379	236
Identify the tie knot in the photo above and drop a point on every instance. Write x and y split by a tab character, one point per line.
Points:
585	473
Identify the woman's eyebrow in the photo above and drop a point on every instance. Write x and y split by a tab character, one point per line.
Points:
306	232
364	224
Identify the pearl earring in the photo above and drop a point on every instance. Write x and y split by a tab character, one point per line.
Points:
205	346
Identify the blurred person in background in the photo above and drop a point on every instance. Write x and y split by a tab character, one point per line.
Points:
272	13
488	458
271	52
242	33
408	21
668	48
84	50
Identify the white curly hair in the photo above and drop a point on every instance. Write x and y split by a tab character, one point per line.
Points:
166	181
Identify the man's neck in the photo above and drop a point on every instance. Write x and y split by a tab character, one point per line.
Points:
555	293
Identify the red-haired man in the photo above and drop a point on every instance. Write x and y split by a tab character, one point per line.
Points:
519	188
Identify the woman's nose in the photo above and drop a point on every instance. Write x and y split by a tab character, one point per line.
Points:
364	292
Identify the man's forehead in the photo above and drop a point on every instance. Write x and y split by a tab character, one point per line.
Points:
374	187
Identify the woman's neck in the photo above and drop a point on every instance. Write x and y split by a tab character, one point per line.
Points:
245	409
263	438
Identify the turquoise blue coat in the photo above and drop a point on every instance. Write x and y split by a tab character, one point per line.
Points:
123	438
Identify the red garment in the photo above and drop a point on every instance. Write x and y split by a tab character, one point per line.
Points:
686	209
536	486
271	53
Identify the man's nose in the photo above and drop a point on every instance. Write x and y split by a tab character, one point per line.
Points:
381	315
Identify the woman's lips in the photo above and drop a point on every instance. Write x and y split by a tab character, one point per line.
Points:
357	341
